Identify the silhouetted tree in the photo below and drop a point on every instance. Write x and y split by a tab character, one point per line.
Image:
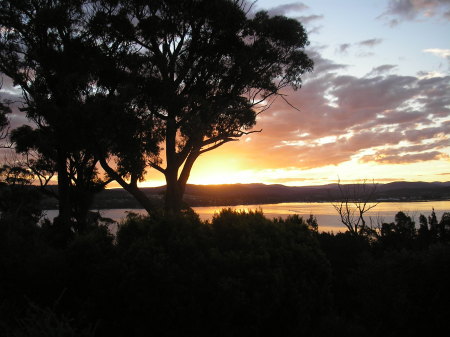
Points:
433	225
444	227
18	201
423	233
399	234
40	158
207	70
4	123
45	49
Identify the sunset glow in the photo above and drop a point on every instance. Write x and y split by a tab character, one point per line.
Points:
377	105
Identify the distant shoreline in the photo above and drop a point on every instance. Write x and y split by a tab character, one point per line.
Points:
267	203
260	194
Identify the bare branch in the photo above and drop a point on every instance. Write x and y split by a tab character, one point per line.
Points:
288	103
355	199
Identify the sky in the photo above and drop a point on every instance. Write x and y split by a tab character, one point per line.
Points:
376	106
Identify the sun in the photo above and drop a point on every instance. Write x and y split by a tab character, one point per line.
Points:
214	169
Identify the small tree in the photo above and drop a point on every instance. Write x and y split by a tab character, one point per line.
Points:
354	202
18	201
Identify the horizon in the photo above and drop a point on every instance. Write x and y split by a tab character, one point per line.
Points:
327	184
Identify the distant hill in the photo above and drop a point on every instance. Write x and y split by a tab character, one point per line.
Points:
237	194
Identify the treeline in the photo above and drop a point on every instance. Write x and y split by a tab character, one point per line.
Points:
237	275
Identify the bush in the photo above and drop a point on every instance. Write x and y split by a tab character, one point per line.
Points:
241	274
405	291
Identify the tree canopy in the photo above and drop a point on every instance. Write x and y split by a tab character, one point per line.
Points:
134	85
207	71
44	49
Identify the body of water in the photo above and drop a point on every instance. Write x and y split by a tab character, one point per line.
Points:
327	217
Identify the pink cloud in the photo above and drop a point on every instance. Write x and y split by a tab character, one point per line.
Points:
407	158
399	10
360	112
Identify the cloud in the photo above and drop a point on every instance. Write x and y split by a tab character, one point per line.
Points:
407	158
381	70
323	66
401	10
429	74
443	53
370	43
345	118
384	118
287	8
285	180
343	48
309	18
12	97
411	153
314	30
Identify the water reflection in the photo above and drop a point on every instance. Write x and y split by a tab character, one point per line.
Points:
325	213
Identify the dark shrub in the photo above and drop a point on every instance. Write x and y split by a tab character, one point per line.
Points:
241	274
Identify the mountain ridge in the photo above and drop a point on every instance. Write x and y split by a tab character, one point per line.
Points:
259	193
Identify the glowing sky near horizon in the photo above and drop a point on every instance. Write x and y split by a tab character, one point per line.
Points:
377	105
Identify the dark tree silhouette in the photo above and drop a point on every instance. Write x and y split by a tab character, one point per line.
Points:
44	48
4	123
17	201
399	234
115	82
206	71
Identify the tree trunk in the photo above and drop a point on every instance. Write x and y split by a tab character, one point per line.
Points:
64	206
177	185
82	201
173	198
140	196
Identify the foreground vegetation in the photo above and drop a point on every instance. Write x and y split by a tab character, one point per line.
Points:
238	275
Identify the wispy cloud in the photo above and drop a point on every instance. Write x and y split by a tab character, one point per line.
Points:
401	10
287	8
309	18
381	70
444	53
343	48
406	158
370	42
